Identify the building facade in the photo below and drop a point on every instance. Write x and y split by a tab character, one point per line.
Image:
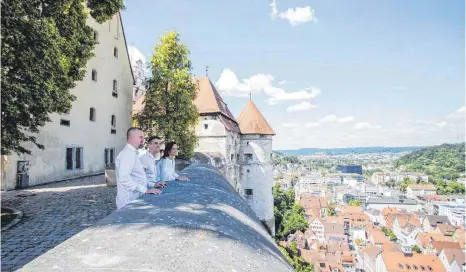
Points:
80	142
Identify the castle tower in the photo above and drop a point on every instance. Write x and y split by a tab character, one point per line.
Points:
256	169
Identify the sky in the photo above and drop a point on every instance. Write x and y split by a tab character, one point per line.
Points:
325	74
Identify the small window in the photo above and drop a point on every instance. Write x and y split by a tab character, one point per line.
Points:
115	88
247	143
408	267
96	36
422	268
113	131
232	156
94	75
415	267
429	267
247	170
79	157
263	136
64	122
113	122
400	266
248	157
115	52
248	192
92	114
206	126
237	157
69	158
112	155
106	155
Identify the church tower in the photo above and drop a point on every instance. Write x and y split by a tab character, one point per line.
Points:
256	169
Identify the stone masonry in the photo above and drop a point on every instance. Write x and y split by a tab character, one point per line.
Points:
52	214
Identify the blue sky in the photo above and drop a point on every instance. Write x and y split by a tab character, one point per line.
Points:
325	73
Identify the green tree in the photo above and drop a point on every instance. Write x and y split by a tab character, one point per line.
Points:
298	263
169	108
358	241
416	249
331	211
293	220
354	203
45	47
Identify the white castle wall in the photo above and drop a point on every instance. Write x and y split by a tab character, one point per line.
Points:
257	174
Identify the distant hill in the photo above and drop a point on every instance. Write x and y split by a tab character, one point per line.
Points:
344	151
444	161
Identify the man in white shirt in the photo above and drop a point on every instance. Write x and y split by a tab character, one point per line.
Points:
131	177
149	161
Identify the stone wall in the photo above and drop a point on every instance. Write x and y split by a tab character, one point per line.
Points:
201	225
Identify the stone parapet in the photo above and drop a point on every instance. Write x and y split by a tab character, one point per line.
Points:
201	225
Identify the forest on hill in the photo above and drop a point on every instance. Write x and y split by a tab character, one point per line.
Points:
444	164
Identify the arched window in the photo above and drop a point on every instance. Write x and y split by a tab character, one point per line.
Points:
113	120
94	75
92	114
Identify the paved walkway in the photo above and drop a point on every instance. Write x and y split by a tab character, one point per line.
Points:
52	214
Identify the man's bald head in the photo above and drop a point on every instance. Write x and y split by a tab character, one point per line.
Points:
135	137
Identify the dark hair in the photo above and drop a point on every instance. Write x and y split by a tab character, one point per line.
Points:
151	138
130	131
168	147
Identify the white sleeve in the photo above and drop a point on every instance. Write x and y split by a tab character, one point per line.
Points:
163	171
175	175
124	167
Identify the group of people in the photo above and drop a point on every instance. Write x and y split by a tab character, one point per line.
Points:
139	173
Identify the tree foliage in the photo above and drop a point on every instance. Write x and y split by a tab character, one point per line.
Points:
443	162
171	90
354	203
45	47
289	216
416	249
331	211
298	263
389	233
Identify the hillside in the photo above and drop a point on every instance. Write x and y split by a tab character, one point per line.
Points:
445	161
344	151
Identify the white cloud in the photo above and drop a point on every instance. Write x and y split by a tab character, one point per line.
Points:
346	119
333	118
313	125
365	125
228	84
294	16
285	82
460	113
329	119
300	107
290	125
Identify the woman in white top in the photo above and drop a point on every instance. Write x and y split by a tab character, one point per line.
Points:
166	165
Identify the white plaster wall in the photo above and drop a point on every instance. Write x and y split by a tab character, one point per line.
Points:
216	138
257	174
49	164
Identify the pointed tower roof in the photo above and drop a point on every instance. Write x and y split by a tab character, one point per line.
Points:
208	99
251	121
